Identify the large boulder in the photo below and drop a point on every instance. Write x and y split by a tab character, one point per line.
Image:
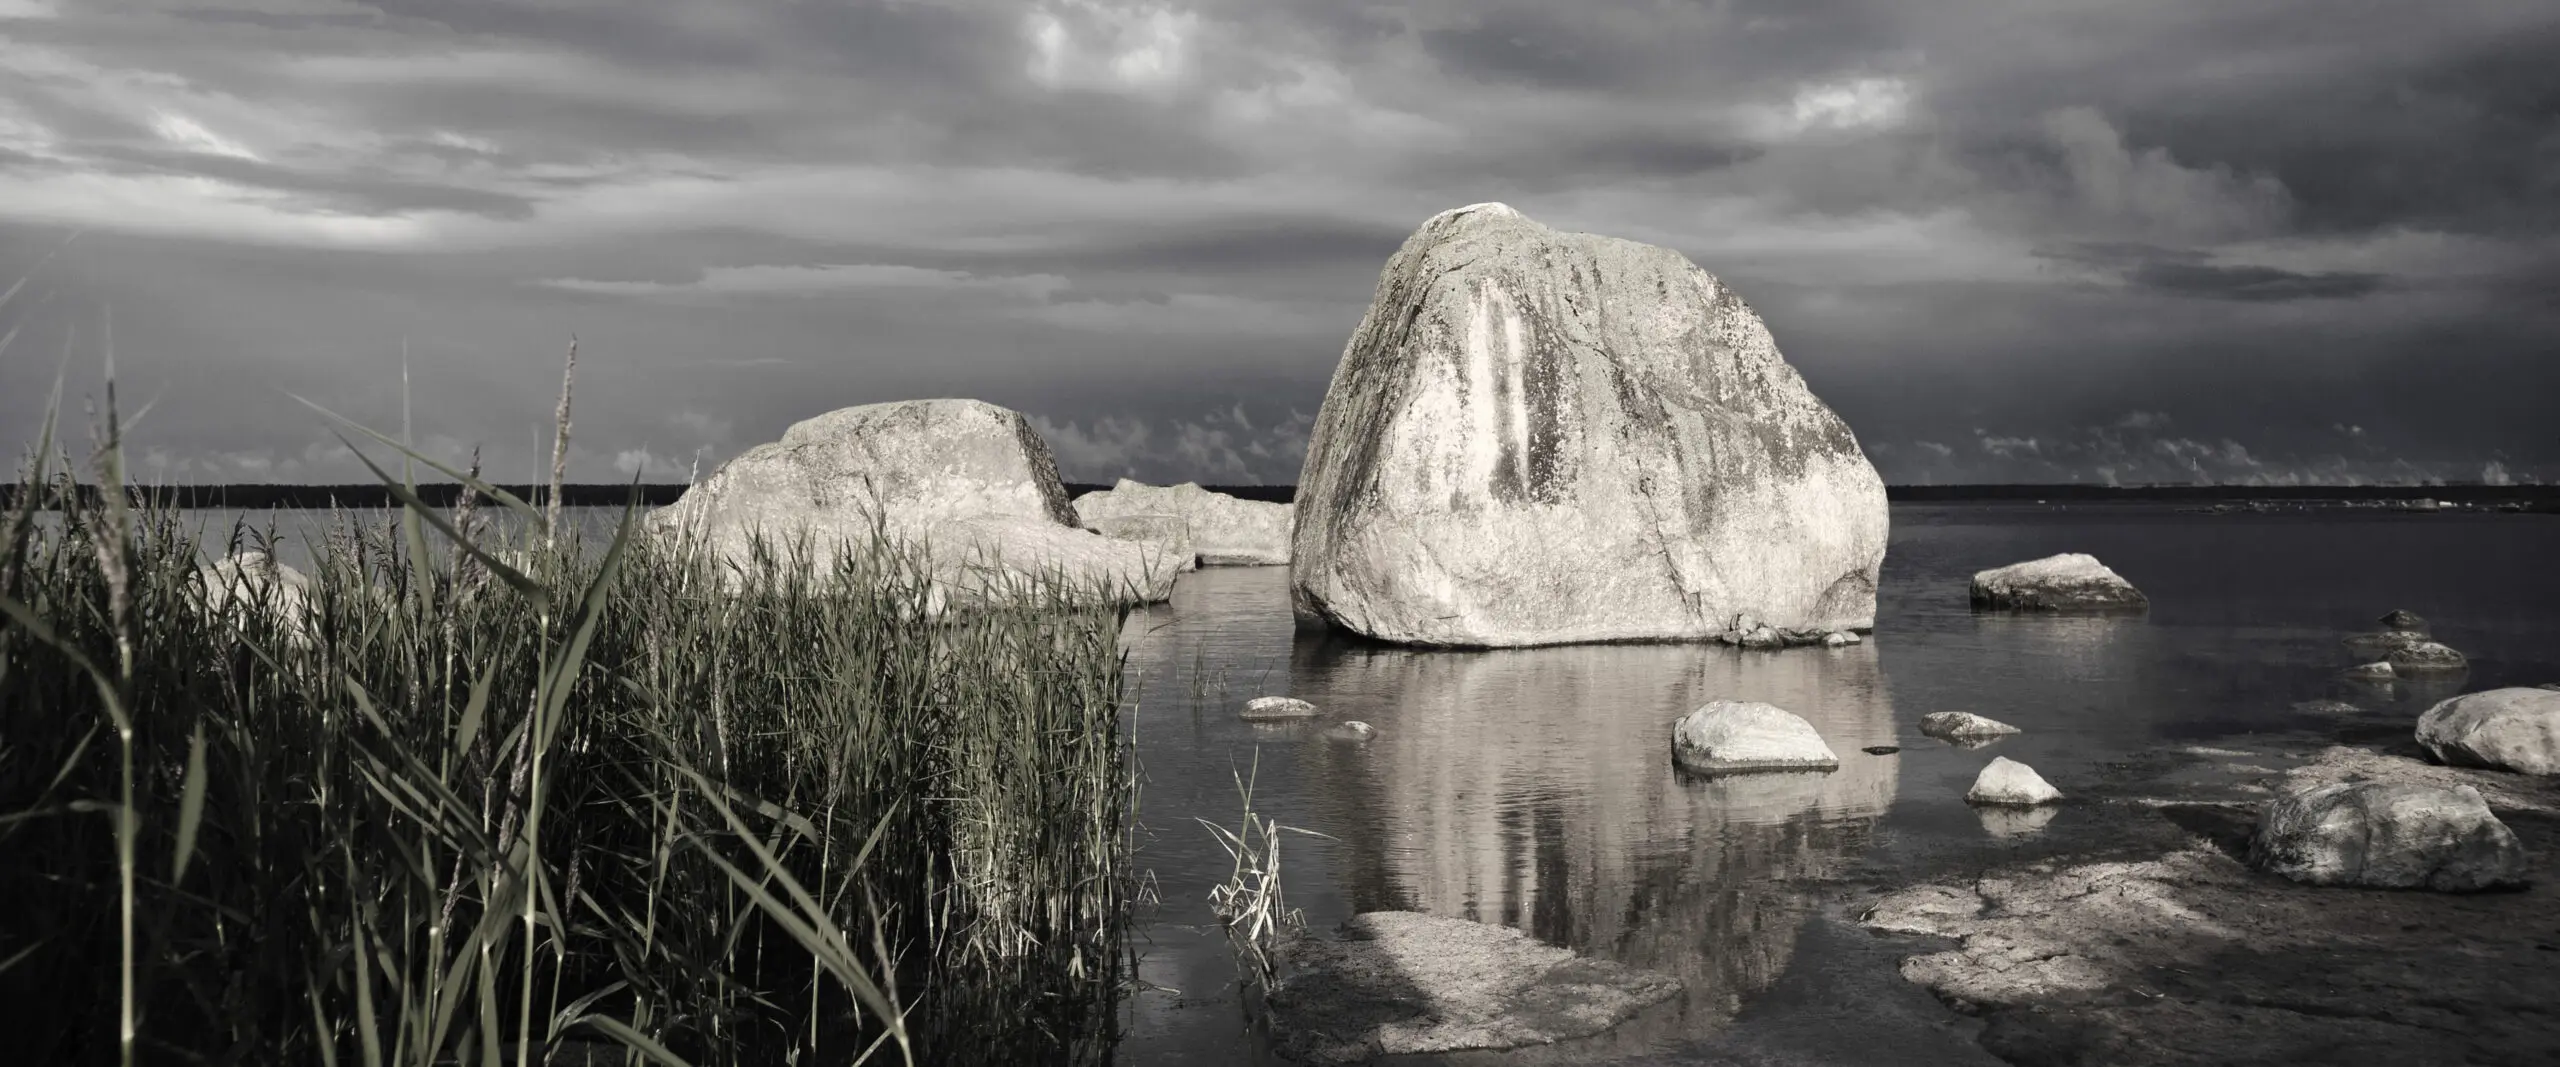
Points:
2071	581
2387	836
1538	437
967	482
1728	736
1403	983
1225	531
2514	729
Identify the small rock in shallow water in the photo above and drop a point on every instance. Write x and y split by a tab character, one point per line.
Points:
2427	657
2387	836
2384	643
1963	725
2008	782
1835	639
1276	709
1881	750
2378	671
2512	729
1402	983
2072	581
1731	736
2325	707
1352	731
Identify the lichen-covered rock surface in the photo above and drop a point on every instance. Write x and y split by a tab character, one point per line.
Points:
969	483
1538	437
1401	983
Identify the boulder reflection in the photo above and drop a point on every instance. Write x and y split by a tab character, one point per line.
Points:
1535	788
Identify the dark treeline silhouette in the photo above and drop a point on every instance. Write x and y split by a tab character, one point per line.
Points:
2538	497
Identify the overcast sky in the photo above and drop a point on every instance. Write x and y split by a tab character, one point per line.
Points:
2008	240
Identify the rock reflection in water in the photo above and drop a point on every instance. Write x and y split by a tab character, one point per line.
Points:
1535	788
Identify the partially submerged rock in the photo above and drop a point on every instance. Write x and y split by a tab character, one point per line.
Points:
1732	736
2071	581
966	482
2383	644
2008	783
2513	729
2387	836
2403	619
1401	983
2378	671
1277	709
1963	726
1538	437
2427	657
1351	732
1225	530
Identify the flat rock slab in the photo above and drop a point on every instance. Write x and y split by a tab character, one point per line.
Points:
2186	956
1401	982
1277	709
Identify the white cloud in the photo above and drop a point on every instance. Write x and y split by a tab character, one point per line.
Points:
2152	192
1089	45
188	133
825	279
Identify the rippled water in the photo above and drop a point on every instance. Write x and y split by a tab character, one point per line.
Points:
1534	788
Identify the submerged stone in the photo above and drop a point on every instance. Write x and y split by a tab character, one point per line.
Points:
2385	643
1352	732
1403	983
1276	709
1538	437
1963	725
2378	671
2427	657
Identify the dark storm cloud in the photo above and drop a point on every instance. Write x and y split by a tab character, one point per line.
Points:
1989	234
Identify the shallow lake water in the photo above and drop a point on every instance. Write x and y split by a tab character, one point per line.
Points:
1534	788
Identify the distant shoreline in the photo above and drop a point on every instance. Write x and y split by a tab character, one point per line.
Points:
257	496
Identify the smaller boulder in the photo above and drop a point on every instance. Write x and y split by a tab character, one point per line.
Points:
1963	726
1277	709
1352	732
251	576
1835	639
2009	783
2514	729
2403	619
2072	581
2385	643
2387	836
2377	671
1764	637
2426	657
1729	736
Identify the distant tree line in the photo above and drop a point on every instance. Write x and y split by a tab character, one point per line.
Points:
2539	497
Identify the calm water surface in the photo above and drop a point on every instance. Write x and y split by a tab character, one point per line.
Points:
1533	788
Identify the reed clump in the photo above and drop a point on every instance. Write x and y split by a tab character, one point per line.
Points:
483	792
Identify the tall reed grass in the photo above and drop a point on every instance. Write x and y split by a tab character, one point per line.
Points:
463	797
